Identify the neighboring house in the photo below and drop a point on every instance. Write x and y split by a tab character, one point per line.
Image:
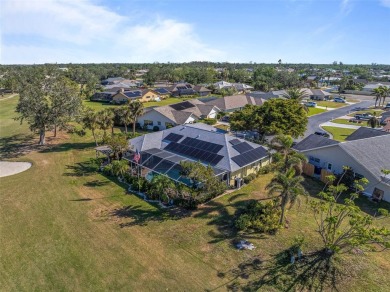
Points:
365	132
112	80
386	127
235	102
222	84
144	95
162	92
369	88
366	157
232	159
181	89
384	116
318	94
186	112
105	96
202	91
239	87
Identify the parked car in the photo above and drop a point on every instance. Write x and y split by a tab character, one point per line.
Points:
365	116
359	108
323	134
339	99
387	105
354	120
311	104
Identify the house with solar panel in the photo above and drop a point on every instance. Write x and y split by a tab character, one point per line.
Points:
161	152
186	112
143	95
183	89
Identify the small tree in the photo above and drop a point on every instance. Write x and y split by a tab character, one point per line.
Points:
90	120
106	120
118	144
162	187
343	227
119	167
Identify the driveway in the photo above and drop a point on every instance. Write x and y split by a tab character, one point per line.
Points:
317	120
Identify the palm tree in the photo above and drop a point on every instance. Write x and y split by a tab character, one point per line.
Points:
288	187
283	144
160	185
106	120
385	93
136	109
120	167
378	92
124	115
298	95
373	122
90	120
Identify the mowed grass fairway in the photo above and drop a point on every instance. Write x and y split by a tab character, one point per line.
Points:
66	227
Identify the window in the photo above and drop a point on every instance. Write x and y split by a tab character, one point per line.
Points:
329	166
159	123
313	159
148	123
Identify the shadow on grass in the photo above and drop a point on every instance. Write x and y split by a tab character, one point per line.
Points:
314	186
68	146
219	216
313	272
140	216
85	168
96	183
17	145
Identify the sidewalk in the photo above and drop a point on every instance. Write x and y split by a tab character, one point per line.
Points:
330	124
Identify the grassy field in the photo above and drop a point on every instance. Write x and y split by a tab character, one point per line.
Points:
102	105
315	111
377	112
339	134
65	227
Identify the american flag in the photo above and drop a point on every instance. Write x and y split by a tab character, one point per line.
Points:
137	156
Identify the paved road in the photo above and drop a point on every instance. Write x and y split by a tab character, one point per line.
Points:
315	121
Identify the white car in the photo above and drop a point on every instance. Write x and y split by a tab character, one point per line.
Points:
311	104
339	99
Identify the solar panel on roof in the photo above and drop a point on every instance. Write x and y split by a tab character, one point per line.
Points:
194	153
173	137
234	141
203	145
182	105
250	156
242	147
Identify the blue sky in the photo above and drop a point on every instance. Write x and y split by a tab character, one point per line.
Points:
262	31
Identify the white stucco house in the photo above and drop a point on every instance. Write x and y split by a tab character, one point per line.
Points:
186	112
367	157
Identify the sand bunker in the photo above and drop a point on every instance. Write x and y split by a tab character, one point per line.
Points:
8	168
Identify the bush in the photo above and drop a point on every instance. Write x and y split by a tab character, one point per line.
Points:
261	217
249	178
209	121
156	129
266	169
107	170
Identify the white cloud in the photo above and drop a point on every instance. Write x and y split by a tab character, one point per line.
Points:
81	31
385	3
346	6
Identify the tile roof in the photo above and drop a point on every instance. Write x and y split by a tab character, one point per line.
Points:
364	132
199	131
314	141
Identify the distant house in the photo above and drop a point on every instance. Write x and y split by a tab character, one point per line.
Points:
112	80
366	157
235	102
231	158
162	92
105	96
181	89
202	91
186	112
144	95
318	94
386	127
239	87
369	88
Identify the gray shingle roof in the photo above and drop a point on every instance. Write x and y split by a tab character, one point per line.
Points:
364	132
314	141
235	101
372	153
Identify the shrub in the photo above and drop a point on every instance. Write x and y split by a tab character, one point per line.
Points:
156	129
209	121
249	178
261	217
266	169
107	170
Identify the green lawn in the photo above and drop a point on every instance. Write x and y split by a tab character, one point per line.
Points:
315	111
347	122
372	111
331	104
66	227
339	134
